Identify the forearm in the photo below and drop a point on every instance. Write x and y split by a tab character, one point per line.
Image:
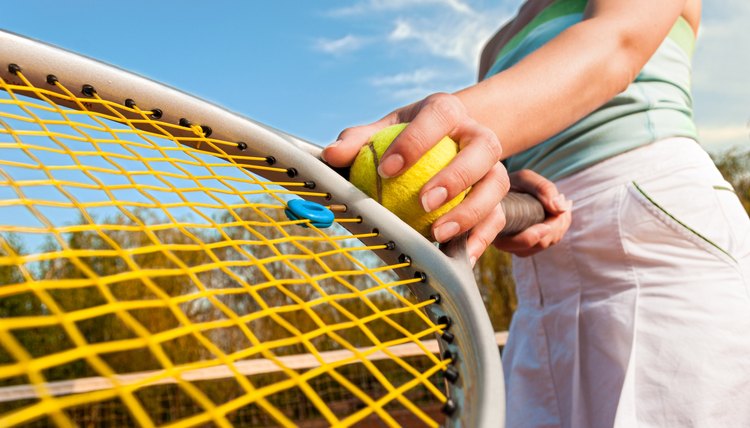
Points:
569	77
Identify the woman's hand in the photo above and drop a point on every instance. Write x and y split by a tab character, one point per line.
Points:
475	166
543	235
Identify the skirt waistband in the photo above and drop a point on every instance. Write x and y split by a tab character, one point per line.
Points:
656	159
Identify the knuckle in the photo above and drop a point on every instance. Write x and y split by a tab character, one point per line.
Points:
472	214
483	241
460	177
492	145
499	178
345	133
413	143
447	108
544	187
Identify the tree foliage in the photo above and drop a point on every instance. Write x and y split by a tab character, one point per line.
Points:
735	166
185	262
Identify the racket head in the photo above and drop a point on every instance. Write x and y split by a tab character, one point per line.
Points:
476	394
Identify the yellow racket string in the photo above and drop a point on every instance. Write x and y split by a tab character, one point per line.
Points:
134	247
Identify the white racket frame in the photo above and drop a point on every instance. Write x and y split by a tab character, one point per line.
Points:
478	391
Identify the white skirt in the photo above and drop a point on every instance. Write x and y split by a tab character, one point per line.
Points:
640	316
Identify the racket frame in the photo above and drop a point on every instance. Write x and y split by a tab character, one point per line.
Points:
478	391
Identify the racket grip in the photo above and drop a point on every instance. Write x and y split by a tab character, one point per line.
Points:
521	211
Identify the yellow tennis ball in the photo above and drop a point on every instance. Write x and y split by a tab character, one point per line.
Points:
401	194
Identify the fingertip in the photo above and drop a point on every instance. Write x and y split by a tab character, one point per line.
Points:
560	204
446	231
325	154
434	198
391	165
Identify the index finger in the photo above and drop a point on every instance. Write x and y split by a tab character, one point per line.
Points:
433	118
342	152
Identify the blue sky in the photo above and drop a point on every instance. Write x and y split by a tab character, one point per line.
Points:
313	68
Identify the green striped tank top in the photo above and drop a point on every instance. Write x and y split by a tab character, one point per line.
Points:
656	105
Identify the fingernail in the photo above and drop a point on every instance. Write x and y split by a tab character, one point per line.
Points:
473	261
434	198
325	149
390	166
446	231
561	204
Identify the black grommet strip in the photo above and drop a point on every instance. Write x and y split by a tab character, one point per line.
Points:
242	146
184	122
451	374
88	90
390	245
421	275
156	113
445	319
448	337
328	196
270	160
291	172
51	79
436	297
450	355
375	231
309	184
14	68
130	103
206	130
450	407
403	258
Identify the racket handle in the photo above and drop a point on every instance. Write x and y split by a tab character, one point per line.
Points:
521	211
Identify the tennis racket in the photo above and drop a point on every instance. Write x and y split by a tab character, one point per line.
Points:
165	262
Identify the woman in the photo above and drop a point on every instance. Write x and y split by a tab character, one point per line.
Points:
637	312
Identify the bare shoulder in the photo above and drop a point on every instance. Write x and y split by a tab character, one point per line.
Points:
531	8
527	12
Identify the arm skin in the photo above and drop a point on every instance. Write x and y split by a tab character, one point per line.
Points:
550	89
591	62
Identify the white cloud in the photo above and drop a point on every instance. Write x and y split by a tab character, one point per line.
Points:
723	134
416	77
719	138
346	44
449	35
455	38
721	76
444	29
413	85
422	34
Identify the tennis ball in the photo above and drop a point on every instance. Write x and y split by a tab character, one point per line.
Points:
401	194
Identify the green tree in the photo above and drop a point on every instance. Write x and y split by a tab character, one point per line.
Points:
735	166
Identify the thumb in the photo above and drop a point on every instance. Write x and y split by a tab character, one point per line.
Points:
543	189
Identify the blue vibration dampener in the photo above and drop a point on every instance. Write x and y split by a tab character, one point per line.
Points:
318	215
